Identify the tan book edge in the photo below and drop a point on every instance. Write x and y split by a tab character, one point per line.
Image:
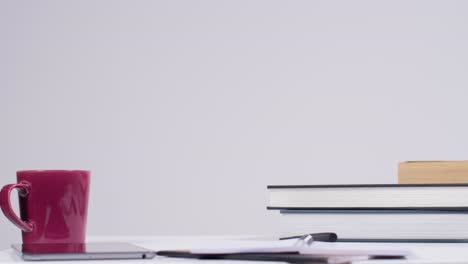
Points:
433	172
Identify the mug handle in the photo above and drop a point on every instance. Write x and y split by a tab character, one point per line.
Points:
5	204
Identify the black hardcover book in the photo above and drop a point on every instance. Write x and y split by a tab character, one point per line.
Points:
442	197
379	225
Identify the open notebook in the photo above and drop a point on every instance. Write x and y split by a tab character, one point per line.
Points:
290	251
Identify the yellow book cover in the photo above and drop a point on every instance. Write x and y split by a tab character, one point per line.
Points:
433	172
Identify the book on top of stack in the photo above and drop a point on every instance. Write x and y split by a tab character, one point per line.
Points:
450	171
416	212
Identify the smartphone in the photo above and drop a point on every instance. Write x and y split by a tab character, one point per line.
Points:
81	251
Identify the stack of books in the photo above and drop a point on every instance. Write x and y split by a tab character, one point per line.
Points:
386	212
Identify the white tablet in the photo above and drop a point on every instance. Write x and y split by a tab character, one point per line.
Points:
89	251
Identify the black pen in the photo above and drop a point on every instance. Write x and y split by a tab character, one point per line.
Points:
322	237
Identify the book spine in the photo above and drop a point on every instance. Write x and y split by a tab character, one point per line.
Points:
433	172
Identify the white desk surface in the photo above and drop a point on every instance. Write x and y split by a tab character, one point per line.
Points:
423	252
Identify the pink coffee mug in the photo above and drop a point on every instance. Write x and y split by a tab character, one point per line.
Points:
53	205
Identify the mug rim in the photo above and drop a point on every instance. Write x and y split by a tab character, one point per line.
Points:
55	170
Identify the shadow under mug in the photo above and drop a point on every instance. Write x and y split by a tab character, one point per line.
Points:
53	205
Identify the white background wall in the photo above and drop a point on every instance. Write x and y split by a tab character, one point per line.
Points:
186	110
